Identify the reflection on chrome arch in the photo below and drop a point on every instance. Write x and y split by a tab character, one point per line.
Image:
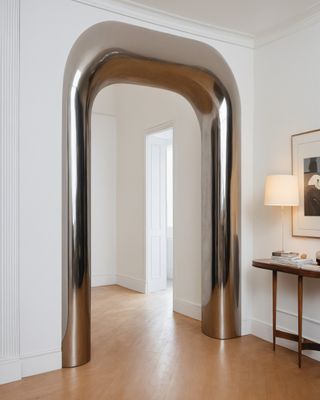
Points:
109	53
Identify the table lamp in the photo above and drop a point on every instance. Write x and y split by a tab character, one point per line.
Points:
282	191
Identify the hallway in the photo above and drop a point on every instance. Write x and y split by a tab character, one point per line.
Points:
143	351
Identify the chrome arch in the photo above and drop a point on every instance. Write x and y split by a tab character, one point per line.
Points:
118	53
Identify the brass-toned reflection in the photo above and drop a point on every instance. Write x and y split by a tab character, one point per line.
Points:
220	191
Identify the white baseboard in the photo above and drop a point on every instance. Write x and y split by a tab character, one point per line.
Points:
27	365
10	371
193	310
263	330
246	326
34	364
103	280
139	285
187	308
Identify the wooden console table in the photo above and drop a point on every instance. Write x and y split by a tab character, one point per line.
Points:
301	271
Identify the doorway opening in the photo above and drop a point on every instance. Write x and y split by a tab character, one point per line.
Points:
159	210
124	117
112	52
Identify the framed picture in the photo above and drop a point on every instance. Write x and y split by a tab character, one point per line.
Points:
306	166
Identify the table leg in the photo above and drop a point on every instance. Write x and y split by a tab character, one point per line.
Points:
300	305
274	307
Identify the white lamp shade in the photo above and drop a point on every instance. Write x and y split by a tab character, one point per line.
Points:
281	190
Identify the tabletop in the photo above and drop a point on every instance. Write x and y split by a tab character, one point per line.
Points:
308	270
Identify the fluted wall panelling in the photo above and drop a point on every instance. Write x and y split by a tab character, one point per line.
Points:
9	191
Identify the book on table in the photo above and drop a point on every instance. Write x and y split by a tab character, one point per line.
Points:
292	260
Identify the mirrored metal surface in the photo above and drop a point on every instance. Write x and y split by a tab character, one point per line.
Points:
84	77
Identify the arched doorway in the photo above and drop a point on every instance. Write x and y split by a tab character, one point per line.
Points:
110	53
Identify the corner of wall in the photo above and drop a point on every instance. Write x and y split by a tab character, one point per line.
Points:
187	308
103	280
138	285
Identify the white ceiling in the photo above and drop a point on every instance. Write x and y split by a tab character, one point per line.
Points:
253	17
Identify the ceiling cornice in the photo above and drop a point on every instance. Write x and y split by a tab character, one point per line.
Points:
302	21
175	22
172	21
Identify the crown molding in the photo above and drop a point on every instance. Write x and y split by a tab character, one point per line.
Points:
289	27
172	21
175	22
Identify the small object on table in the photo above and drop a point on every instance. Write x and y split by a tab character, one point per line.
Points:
291	259
304	270
285	254
304	256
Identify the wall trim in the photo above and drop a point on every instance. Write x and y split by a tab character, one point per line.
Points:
138	285
200	29
172	21
263	330
295	315
39	363
246	326
104	114
188	308
303	21
9	187
103	280
193	310
163	126
10	371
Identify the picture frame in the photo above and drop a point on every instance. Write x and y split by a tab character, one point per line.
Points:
305	149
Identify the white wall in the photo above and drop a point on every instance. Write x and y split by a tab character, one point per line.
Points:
47	31
103	189
287	101
139	111
103	193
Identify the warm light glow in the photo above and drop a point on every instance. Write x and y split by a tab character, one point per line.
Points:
281	190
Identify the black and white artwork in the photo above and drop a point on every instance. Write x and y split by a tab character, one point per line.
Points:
312	187
306	167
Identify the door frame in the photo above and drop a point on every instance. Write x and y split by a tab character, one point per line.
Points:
158	129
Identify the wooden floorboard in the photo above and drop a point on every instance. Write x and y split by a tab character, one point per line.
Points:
143	351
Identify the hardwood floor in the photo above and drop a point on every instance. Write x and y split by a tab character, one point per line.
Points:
142	351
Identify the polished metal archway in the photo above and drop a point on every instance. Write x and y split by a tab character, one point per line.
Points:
104	55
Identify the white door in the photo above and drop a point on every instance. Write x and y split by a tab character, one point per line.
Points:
156	216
